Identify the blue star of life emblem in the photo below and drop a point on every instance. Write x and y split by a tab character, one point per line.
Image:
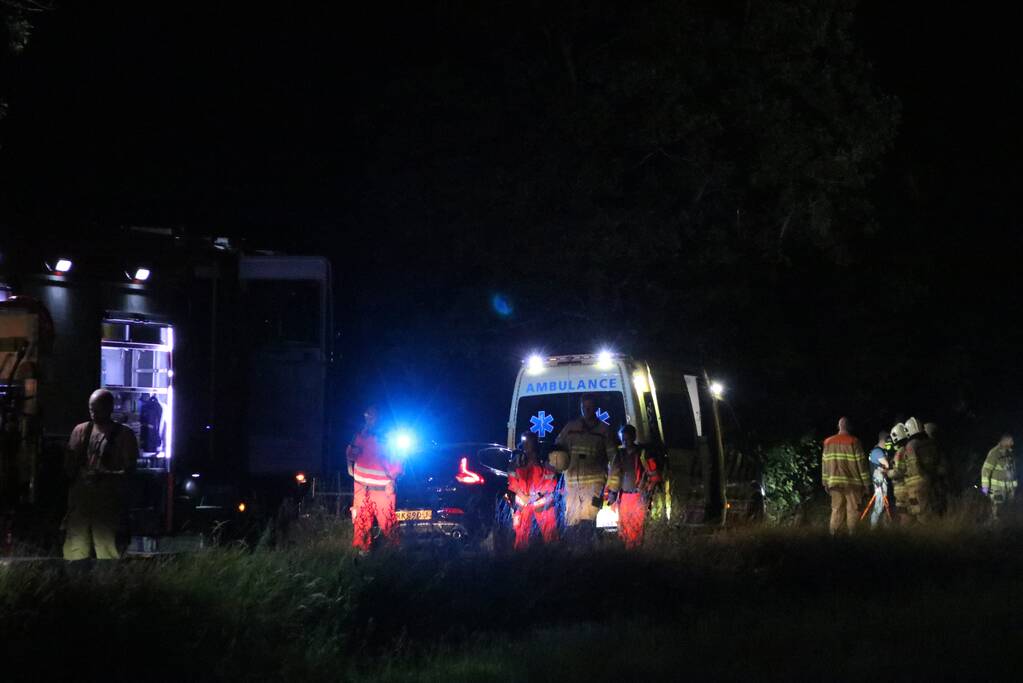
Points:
542	423
604	416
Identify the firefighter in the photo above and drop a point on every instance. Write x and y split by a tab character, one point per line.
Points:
845	477
998	475
631	480
932	492
101	455
912	490
590	446
532	486
374	473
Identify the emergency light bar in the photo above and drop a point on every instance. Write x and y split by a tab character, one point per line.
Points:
604	360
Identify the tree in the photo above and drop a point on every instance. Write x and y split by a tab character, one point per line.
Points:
16	25
682	166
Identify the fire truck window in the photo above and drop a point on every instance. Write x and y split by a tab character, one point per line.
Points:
136	365
283	312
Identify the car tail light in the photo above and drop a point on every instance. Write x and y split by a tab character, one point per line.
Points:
465	475
452	511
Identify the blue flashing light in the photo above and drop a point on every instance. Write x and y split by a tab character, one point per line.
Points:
401	442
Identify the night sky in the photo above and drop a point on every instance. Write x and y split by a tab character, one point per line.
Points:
313	129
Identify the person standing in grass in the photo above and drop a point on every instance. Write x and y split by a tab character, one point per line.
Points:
631	480
374	492
101	455
590	445
533	487
998	475
879	462
845	477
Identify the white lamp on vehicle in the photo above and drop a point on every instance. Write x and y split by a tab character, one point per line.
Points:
717	390
604	360
62	266
534	365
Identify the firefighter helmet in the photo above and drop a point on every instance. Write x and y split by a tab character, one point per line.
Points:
899	433
560	459
914	427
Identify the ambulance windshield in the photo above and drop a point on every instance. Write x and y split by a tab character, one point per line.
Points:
546	414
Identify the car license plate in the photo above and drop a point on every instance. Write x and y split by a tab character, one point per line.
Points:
416	515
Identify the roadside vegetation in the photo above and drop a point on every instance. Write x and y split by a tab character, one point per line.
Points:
761	603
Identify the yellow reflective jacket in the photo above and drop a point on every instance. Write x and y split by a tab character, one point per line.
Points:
998	475
590	448
632	471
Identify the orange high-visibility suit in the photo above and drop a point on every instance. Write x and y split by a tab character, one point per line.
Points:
631	477
534	487
374	475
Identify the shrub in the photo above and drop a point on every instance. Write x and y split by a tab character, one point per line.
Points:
792	479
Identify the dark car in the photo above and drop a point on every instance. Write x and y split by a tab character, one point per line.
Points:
453	493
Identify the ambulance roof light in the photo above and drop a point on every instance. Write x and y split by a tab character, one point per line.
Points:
604	361
534	365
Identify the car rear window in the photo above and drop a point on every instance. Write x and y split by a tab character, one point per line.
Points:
439	463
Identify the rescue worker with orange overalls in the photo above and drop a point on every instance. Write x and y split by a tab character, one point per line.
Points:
533	486
374	475
631	479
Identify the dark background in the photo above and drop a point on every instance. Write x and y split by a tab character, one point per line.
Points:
443	154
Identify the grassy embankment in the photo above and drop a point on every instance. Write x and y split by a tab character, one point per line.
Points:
754	604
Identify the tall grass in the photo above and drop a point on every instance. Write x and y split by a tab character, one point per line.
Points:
756	602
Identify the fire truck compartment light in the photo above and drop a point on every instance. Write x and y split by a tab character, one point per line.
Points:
62	266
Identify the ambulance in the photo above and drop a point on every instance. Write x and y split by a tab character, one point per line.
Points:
672	408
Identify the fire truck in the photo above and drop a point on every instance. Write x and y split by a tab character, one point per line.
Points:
217	357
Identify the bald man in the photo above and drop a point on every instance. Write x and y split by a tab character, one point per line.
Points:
101	455
845	477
